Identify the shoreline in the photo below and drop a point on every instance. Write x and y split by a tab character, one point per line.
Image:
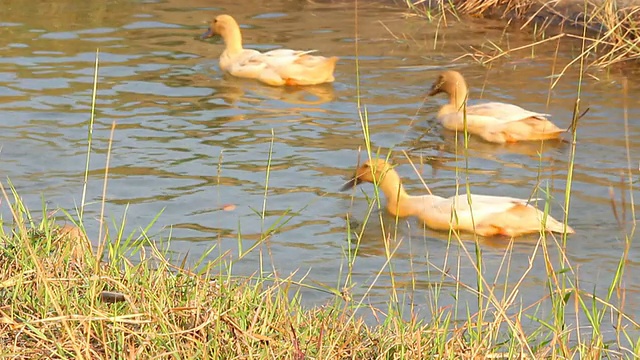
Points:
612	31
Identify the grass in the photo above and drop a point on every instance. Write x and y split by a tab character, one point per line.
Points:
611	30
128	298
60	301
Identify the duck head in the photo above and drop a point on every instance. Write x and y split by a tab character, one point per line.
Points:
450	82
219	26
367	172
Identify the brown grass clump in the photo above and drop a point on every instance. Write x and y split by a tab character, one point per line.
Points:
519	8
610	28
57	301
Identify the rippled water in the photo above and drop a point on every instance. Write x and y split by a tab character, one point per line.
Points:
189	140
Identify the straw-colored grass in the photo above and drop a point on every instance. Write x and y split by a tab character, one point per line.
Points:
611	28
59	301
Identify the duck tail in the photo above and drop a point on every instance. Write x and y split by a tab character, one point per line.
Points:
551	135
327	67
331	63
540	128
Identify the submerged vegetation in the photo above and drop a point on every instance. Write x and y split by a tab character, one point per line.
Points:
128	297
610	28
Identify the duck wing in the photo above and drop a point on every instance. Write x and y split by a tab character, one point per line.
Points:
287	52
482	207
282	57
283	66
248	66
502	112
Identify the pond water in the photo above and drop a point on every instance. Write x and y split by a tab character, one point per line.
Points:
189	140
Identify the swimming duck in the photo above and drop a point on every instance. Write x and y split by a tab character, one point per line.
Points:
276	67
492	215
494	121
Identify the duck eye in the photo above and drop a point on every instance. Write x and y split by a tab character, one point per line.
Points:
366	166
215	21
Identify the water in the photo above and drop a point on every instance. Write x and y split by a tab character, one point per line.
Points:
190	140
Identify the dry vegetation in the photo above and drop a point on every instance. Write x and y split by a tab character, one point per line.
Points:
57	304
610	28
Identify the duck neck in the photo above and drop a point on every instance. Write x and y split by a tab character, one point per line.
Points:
233	41
458	97
394	192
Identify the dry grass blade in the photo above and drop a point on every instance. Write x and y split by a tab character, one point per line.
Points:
507	52
612	28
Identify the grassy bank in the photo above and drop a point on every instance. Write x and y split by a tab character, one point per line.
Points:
610	28
59	301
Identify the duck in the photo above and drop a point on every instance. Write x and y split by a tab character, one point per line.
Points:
484	215
276	67
494	122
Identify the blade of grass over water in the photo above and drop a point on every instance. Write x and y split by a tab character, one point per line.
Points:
90	134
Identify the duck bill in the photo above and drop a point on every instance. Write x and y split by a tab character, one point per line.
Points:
351	184
434	91
207	34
